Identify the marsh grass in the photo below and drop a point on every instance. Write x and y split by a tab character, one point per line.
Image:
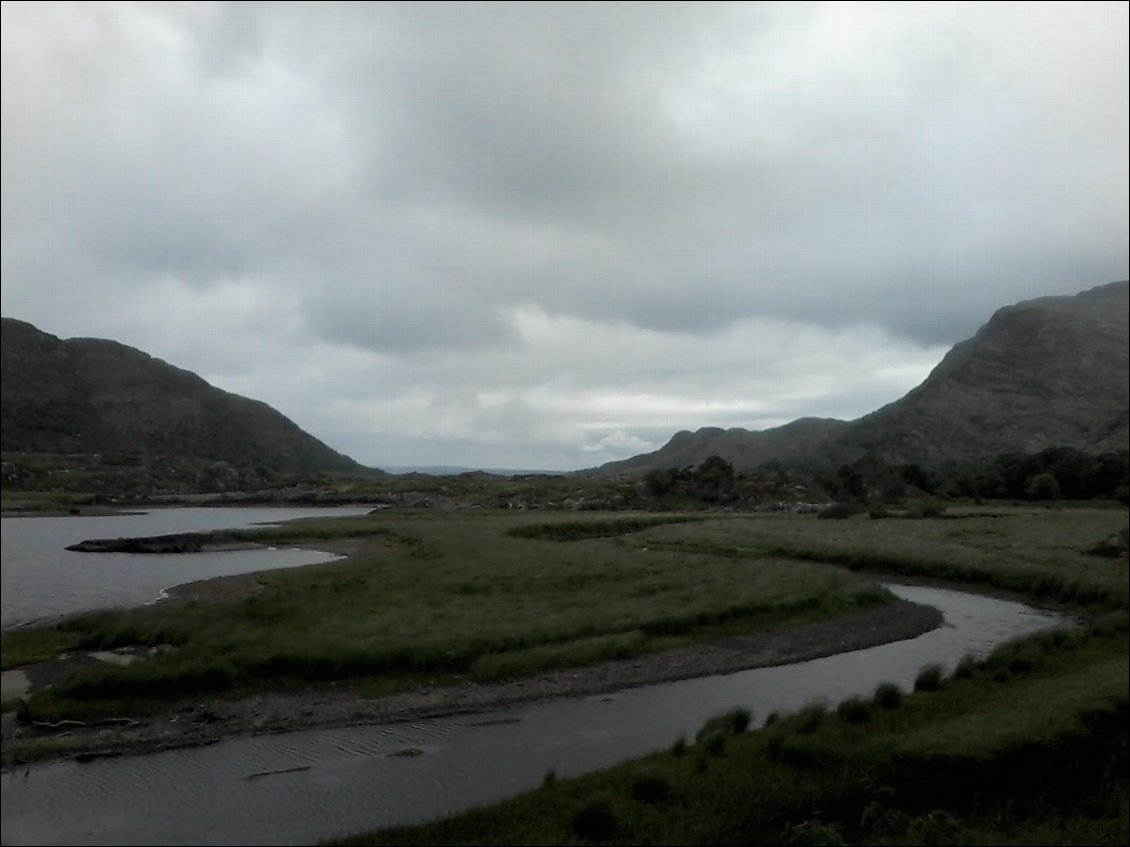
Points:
887	696
34	644
1041	555
1017	743
575	530
452	594
930	678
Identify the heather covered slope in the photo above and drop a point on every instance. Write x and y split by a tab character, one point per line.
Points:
92	396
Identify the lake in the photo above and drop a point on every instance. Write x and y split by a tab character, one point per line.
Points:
41	580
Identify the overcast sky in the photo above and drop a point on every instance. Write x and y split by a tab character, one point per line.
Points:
551	235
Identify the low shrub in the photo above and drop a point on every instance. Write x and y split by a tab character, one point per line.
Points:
854	710
966	668
732	722
812	834
809	718
714	743
595	818
838	511
650	785
887	696
930	508
930	678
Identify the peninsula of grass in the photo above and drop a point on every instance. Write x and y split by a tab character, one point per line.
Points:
455	594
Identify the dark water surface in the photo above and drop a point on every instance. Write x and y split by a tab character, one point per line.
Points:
41	580
299	787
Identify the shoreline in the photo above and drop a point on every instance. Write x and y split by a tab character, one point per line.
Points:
215	719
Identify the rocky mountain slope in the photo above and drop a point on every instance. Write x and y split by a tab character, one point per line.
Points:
1046	372
88	396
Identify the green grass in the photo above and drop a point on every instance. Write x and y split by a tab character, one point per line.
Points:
454	594
26	646
575	530
1040	554
1028	746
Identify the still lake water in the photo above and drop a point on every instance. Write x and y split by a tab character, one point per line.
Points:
41	580
299	787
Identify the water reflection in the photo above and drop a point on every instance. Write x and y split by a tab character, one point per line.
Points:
42	580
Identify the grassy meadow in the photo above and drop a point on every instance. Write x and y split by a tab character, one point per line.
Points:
1026	747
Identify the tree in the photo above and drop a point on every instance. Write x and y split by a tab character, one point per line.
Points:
1044	486
659	482
714	477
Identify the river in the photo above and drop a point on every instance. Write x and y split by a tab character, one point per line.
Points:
300	787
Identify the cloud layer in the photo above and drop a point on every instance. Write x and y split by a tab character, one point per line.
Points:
549	235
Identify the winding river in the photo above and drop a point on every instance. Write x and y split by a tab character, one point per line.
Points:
299	787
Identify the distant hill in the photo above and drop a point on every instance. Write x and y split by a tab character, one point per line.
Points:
87	395
742	448
457	470
1046	372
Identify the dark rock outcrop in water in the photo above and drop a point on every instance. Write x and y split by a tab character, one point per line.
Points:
185	542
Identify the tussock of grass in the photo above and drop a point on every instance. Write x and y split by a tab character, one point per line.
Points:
930	678
574	530
888	696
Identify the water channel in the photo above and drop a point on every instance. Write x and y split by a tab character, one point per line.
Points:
300	787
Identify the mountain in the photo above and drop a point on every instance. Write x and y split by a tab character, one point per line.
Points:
86	395
742	448
1046	372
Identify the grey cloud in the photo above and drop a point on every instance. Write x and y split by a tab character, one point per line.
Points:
408	178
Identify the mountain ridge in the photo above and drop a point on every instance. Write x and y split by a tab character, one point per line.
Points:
1050	371
94	395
